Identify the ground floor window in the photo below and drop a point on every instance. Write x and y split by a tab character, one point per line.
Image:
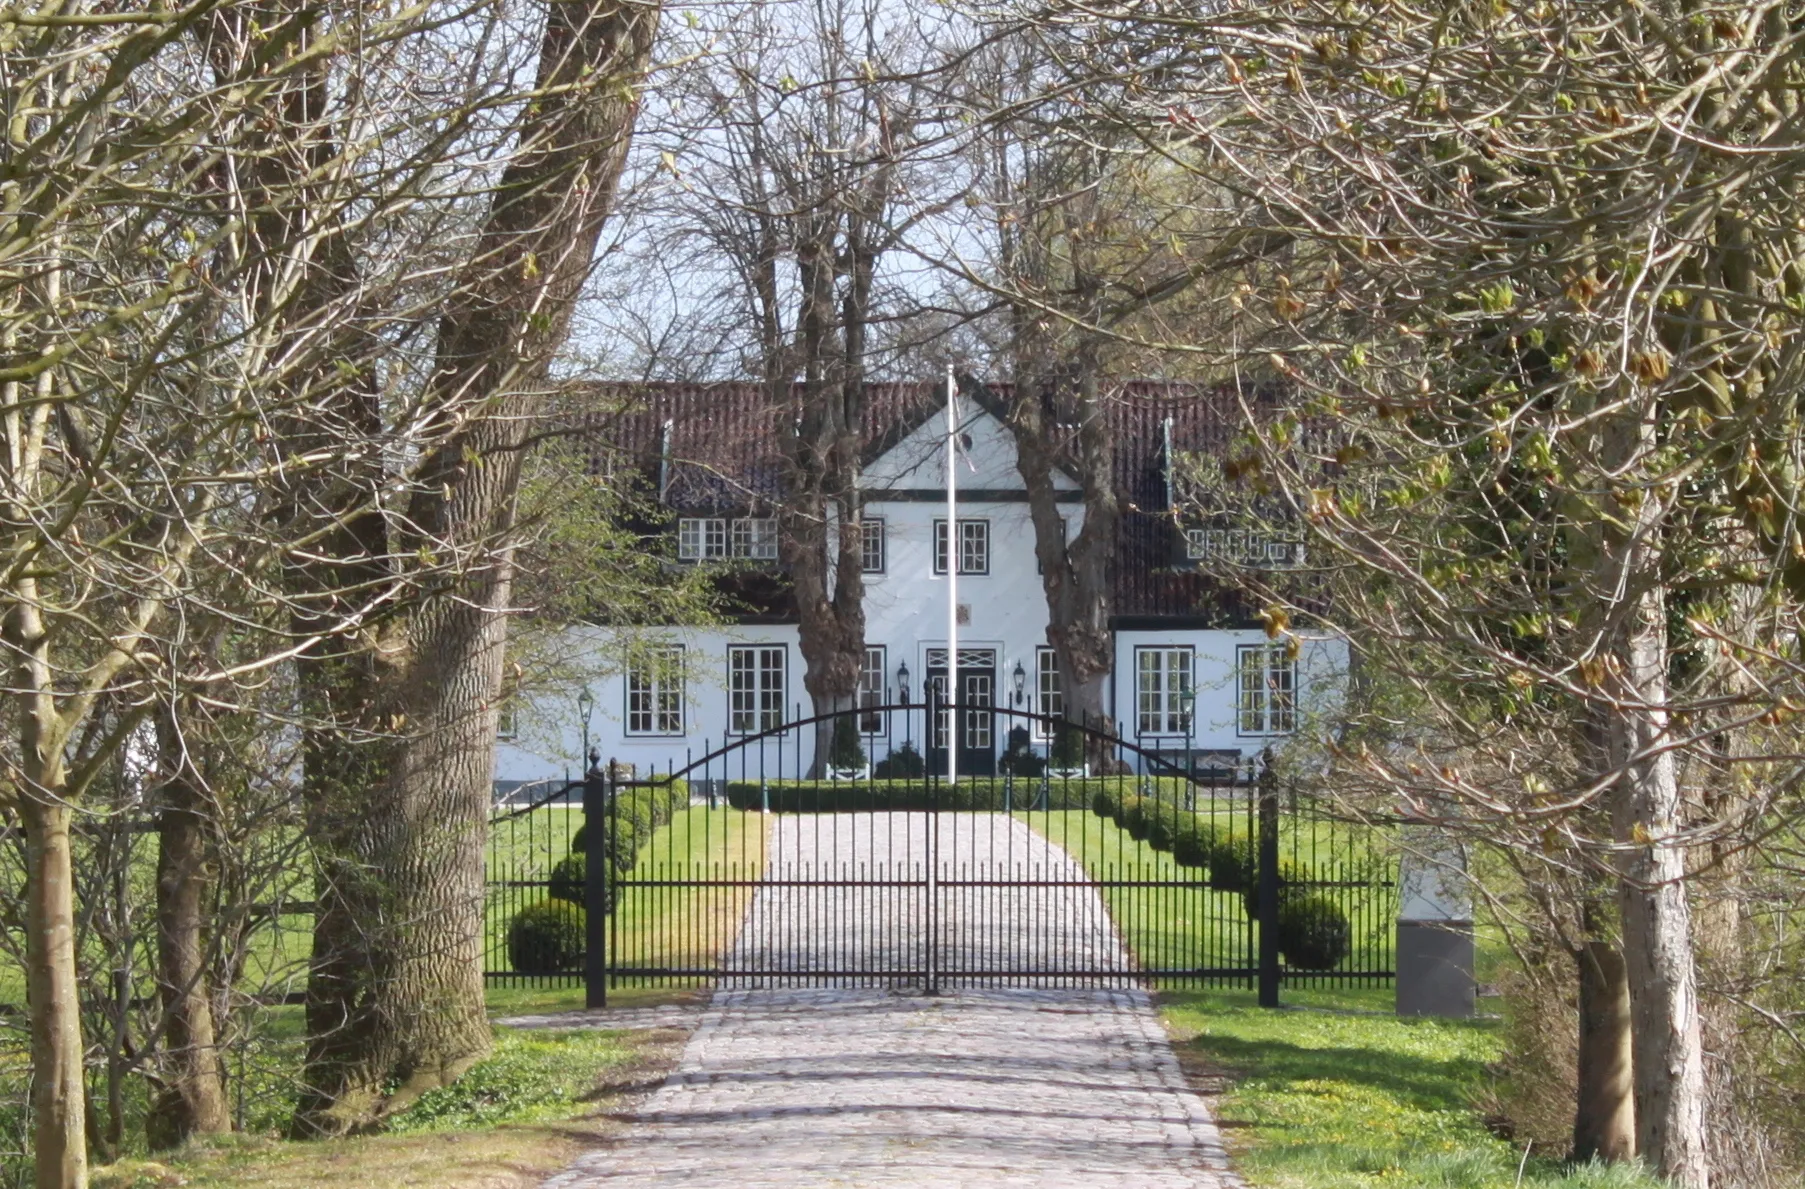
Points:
1163	690
755	688
1049	694
871	691
1268	690
655	691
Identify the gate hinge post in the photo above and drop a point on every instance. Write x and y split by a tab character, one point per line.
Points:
596	871
1267	893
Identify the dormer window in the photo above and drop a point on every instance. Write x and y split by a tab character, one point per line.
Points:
1243	547
702	538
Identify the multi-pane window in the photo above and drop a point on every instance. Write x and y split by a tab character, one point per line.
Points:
710	538
871	545
974	547
755	688
871	691
1049	695
756	538
1243	547
1268	690
701	538
1162	682
655	691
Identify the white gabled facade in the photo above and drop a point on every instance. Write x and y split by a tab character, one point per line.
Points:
735	677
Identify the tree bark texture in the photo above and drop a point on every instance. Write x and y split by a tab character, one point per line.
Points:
395	999
192	1098
1655	906
59	1142
1604	1123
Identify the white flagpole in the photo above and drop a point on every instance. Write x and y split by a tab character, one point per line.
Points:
952	577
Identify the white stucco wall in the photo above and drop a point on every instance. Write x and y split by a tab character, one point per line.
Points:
906	615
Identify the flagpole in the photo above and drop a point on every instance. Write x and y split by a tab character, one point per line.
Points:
952	579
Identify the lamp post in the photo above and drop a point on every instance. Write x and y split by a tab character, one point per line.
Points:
586	705
902	689
1187	702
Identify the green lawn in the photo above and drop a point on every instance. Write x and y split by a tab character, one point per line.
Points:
1193	928
1326	1095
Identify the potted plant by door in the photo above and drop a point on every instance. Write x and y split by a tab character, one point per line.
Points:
846	754
1067	758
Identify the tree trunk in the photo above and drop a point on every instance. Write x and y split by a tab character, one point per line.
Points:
1075	574
192	1099
395	997
1655	907
59	1141
1604	1125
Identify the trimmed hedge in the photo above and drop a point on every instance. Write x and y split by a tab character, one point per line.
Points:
970	793
546	938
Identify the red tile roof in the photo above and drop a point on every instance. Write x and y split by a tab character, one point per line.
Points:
716	449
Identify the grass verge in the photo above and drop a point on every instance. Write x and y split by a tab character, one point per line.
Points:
1331	1094
526	1112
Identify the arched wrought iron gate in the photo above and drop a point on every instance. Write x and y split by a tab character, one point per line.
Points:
753	867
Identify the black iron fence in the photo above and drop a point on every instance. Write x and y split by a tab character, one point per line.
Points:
755	866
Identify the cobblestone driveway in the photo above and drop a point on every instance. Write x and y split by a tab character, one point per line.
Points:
800	1088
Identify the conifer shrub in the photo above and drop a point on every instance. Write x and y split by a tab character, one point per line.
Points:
846	753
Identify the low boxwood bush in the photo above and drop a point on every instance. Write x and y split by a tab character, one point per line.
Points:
1313	932
546	938
1106	803
646	808
903	763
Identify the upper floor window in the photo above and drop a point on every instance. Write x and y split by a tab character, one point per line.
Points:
1162	682
710	538
655	691
700	539
1268	690
1243	547
1049	694
871	691
974	547
755	688
871	545
756	538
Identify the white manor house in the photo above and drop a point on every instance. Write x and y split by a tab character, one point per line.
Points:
1196	681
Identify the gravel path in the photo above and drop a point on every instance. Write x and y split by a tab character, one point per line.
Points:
985	932
851	1084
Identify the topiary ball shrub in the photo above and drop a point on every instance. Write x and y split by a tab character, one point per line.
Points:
1162	823
1232	864
546	938
567	878
1193	841
1105	803
1313	932
1134	817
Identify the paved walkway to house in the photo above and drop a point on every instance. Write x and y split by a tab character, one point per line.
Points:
806	1088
